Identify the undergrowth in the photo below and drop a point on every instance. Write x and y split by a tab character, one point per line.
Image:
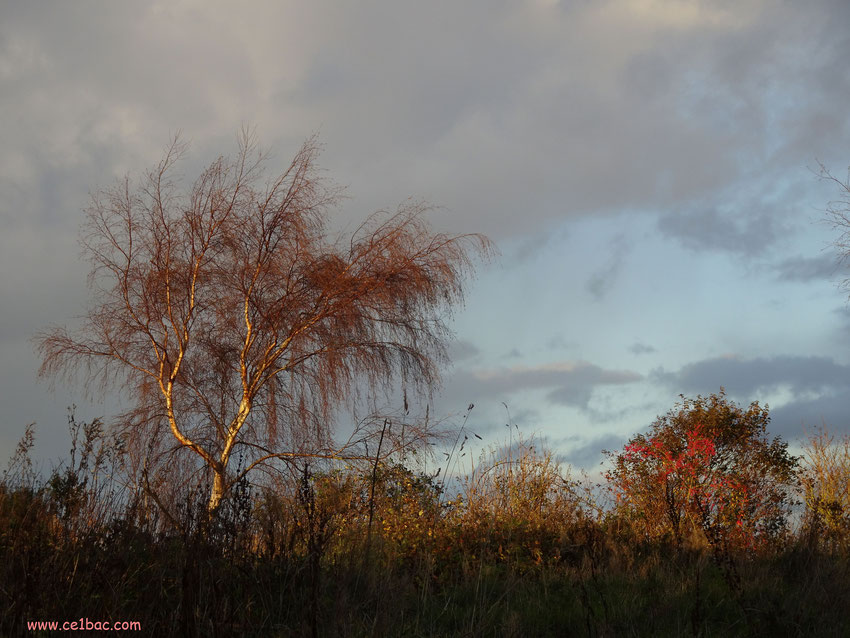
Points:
514	546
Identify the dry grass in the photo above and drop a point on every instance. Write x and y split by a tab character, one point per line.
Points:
826	488
516	548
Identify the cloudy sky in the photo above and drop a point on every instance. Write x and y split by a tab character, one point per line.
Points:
647	168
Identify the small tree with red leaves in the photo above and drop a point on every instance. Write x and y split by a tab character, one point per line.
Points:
707	466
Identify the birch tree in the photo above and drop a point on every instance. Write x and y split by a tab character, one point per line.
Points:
233	319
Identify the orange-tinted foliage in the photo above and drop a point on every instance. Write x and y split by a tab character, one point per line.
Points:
237	323
706	467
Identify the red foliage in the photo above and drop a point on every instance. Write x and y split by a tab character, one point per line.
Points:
708	467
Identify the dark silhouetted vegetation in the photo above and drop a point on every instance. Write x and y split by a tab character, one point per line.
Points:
512	545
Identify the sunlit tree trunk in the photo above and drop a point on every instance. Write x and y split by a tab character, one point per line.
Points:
219	488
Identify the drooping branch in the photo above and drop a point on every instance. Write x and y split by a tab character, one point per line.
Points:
232	315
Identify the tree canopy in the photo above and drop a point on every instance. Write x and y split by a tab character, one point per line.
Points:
707	466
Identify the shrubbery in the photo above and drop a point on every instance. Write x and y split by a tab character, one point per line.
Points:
707	469
512	545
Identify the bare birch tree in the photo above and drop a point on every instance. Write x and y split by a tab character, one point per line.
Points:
232	318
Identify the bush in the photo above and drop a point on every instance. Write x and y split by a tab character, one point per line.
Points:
706	467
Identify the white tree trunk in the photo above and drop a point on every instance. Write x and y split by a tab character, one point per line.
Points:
217	493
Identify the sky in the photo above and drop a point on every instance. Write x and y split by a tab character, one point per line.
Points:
649	170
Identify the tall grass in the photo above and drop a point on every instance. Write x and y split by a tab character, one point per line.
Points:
514	545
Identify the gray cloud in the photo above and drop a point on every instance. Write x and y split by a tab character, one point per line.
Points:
617	411
843	313
504	111
746	377
820	387
569	384
598	285
558	342
710	230
590	453
804	269
639	348
461	350
603	280
524	419
794	418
